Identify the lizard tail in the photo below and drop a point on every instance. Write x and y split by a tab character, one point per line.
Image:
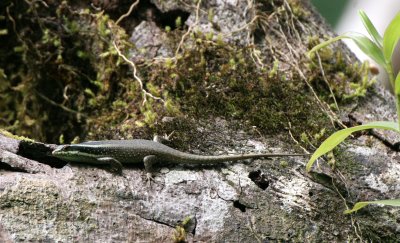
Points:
200	159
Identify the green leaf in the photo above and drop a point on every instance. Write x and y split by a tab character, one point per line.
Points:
391	37
363	42
371	29
324	44
397	85
332	141
359	205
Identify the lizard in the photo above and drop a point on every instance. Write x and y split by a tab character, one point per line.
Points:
118	152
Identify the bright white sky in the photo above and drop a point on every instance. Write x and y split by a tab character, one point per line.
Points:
380	13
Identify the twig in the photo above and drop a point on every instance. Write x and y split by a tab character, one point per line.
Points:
14	23
145	92
295	140
242	28
353	223
59	105
190	29
127	13
290	18
332	115
326	80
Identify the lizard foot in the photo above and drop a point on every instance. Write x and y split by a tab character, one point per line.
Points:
149	161
149	179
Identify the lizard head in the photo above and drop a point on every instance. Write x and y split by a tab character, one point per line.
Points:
74	153
66	152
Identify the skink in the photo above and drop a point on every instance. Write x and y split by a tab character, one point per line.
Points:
119	152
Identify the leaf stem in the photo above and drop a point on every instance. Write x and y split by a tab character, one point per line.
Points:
398	109
389	70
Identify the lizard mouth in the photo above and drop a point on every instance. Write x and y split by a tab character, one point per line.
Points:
59	150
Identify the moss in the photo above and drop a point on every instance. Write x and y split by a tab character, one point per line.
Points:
346	163
227	77
346	81
10	135
207	73
87	86
298	9
180	233
283	163
63	68
274	71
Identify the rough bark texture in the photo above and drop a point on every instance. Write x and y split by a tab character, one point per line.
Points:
42	199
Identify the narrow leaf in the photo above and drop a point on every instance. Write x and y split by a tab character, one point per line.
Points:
325	44
397	85
359	205
368	47
363	42
336	138
371	29
391	37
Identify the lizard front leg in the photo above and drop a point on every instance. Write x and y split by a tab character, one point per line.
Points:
149	161
113	163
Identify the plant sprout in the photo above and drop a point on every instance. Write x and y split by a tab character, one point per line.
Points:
380	49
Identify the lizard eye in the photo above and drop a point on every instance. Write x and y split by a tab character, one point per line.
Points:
65	148
61	148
